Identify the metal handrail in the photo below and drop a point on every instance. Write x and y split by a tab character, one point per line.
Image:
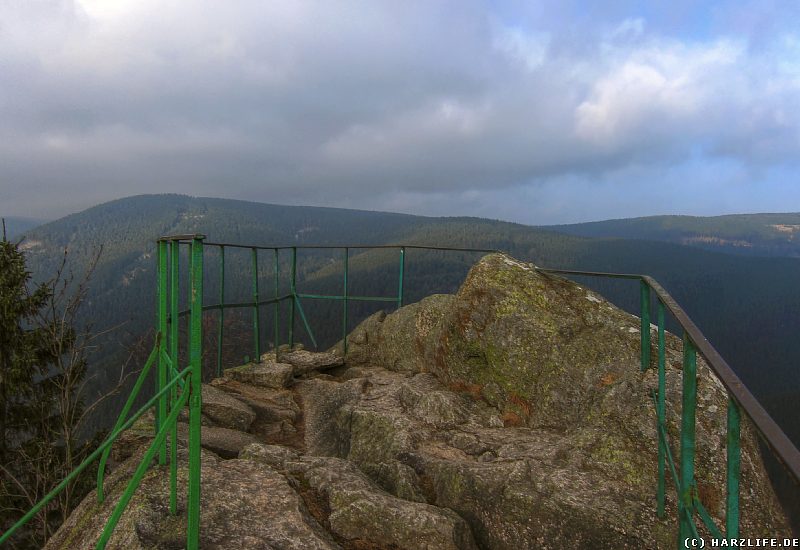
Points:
168	404
739	399
771	433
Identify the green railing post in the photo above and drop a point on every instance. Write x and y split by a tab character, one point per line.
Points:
174	294
661	412
293	292
344	302
688	410
256	316
645	319
400	278
134	482
221	323
161	378
276	306
195	387
733	471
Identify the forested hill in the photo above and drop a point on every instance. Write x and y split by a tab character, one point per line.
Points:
748	307
745	234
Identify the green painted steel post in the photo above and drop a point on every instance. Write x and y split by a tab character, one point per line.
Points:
645	329
195	387
256	316
221	323
133	484
661	412
174	273
293	292
344	301
733	471
400	279
161	378
688	412
276	306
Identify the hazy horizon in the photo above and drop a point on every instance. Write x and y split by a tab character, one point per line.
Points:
43	220
536	113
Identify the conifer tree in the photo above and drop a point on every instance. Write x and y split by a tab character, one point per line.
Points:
24	351
44	347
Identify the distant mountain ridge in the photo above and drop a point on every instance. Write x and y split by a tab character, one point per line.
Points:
769	234
748	307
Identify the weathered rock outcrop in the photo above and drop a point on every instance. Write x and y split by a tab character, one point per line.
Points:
358	512
559	365
245	504
511	415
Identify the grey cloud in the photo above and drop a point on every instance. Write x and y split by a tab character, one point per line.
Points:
424	105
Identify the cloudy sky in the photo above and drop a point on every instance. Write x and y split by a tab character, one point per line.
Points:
537	112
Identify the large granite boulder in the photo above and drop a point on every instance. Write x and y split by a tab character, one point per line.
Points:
559	366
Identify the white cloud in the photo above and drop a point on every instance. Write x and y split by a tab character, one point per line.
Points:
662	89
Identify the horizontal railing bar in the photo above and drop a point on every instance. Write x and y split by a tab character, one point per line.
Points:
767	428
289	297
360	298
243	304
235	305
364	246
590	273
181	237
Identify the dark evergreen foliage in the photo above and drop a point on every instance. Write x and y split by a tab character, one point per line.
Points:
43	362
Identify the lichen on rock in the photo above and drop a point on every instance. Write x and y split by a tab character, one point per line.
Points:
560	361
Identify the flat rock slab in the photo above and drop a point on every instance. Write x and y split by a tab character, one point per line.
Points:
305	361
360	511
276	410
266	375
244	505
222	441
226	411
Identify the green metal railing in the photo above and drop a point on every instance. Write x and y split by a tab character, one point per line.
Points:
295	298
690	507
175	389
